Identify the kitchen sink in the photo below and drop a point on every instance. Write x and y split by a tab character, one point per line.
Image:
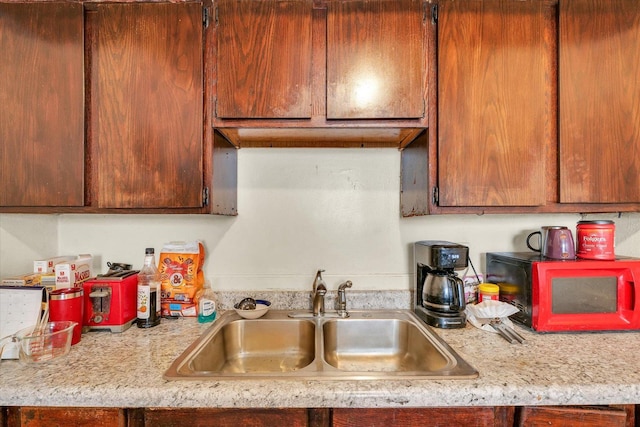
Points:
252	346
381	345
371	344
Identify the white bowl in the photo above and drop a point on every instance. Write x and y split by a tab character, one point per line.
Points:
259	311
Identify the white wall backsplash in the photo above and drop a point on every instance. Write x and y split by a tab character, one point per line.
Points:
25	238
299	210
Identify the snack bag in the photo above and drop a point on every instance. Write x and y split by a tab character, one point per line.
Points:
180	267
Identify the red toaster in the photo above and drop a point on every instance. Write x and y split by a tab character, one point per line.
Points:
110	301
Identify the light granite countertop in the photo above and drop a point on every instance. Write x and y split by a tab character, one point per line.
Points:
126	370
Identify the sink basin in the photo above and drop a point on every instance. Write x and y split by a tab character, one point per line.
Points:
257	346
372	344
381	345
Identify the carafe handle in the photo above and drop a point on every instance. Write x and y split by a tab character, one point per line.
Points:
459	302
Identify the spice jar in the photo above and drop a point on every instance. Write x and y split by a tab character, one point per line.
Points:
488	291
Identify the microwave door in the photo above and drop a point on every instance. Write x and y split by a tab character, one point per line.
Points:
601	298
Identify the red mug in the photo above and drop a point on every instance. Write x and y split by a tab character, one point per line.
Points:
68	304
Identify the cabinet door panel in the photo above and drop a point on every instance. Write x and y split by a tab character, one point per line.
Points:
41	104
582	416
375	66
495	103
599	101
147	105
77	417
264	59
436	417
227	417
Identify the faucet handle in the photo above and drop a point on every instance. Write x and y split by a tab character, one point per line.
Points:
318	282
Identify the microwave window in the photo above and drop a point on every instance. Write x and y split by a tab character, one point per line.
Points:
584	295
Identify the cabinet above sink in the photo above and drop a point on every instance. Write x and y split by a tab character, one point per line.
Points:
320	73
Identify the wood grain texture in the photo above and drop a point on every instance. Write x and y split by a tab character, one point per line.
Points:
147	103
77	417
264	59
599	101
419	417
375	52
252	87
415	192
258	417
41	104
575	416
495	107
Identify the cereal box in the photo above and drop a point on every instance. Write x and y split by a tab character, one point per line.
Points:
29	279
46	266
73	273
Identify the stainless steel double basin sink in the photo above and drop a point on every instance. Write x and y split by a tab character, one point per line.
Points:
366	345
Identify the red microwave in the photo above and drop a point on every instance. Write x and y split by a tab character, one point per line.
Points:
568	296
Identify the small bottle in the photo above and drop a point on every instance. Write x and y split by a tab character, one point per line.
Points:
148	301
207	307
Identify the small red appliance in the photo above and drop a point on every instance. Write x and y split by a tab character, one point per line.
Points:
568	296
110	301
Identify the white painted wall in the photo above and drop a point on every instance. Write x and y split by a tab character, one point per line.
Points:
299	210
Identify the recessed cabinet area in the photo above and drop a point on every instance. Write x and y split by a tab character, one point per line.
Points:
535	109
321	73
497	106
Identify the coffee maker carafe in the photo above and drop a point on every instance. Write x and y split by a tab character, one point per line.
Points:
440	299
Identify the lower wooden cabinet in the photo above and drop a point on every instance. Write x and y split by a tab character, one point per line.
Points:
258	417
422	417
584	416
502	416
28	416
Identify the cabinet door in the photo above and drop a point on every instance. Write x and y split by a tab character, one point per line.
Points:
599	101
227	417
495	101
41	104
147	105
402	417
576	416
264	59
77	417
375	59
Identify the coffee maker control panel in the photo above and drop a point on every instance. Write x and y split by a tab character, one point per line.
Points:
442	255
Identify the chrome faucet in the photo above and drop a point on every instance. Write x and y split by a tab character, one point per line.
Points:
319	291
342	299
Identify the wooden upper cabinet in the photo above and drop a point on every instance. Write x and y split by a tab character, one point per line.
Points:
599	101
41	104
264	59
375	59
318	73
147	105
496	105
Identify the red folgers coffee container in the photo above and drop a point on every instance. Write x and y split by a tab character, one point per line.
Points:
68	304
595	240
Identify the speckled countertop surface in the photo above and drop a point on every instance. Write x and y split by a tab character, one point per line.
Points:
126	370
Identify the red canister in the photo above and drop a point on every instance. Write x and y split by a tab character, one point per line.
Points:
68	304
596	240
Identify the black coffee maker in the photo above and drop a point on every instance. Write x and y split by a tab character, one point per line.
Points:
440	299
